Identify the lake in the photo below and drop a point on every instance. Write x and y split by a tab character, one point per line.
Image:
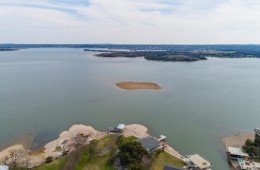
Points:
43	91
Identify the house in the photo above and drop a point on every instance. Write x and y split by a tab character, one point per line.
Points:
4	167
236	153
119	128
172	167
257	131
149	143
196	162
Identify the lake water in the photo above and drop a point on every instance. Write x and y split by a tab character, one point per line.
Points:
45	91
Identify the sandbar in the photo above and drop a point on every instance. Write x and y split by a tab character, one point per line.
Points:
138	85
238	140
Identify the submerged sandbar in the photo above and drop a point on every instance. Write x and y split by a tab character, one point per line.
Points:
138	85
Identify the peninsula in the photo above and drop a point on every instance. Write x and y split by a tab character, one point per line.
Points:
83	147
137	85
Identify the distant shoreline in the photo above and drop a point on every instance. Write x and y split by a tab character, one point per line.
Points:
138	85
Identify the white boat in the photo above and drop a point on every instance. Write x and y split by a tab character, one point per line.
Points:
257	131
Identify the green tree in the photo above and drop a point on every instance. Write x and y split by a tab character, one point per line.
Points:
135	166
131	152
249	146
257	140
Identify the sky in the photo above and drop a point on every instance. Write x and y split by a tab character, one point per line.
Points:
130	21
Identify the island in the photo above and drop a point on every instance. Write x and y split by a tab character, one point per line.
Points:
138	85
160	55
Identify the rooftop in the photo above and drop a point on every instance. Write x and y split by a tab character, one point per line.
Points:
172	167
199	161
257	131
149	143
237	151
121	126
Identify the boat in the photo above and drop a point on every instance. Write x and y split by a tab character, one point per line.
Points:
257	131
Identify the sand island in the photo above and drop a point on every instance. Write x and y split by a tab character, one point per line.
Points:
138	85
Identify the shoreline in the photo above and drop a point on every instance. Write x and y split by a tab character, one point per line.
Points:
66	138
236	140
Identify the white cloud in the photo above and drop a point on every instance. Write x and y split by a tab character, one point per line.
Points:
130	21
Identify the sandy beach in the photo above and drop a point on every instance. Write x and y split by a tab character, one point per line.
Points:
138	85
238	140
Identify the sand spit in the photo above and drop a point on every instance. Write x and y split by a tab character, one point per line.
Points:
238	140
136	130
138	85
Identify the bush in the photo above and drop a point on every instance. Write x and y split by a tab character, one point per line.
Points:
135	166
49	159
249	146
257	140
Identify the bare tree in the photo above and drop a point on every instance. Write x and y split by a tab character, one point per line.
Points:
26	162
76	147
17	158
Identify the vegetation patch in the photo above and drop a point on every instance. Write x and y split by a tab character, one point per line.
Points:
165	158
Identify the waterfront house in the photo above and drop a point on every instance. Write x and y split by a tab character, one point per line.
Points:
119	128
172	167
257	131
196	162
236	153
149	143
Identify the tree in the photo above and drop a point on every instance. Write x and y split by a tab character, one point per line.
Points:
257	140
17	158
249	146
78	144
49	159
135	166
131	152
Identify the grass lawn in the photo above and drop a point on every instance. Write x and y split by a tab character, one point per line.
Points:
100	160
55	165
257	159
166	159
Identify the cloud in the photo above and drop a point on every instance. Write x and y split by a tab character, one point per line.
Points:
130	21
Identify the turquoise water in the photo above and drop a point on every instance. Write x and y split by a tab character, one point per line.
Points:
44	91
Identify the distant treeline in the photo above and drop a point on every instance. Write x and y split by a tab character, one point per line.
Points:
8	49
182	52
156	55
155	52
